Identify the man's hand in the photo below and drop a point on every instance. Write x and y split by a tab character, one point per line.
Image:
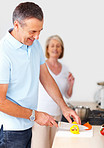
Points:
68	112
43	118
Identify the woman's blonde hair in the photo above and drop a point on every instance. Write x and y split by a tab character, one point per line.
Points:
55	37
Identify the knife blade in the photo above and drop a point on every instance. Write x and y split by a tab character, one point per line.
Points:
66	126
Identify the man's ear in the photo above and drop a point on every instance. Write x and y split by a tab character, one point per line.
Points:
16	24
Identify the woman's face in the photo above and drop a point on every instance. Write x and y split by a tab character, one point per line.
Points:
54	49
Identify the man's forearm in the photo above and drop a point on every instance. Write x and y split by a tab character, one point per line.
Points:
15	110
54	92
51	87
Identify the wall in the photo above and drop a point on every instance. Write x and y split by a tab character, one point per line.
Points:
80	23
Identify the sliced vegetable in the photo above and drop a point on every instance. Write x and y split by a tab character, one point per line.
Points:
88	125
74	129
75	122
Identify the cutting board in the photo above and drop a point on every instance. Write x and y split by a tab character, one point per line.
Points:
64	131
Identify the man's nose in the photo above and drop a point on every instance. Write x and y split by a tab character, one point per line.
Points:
36	36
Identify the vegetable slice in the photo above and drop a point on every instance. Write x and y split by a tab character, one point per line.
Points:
74	129
88	125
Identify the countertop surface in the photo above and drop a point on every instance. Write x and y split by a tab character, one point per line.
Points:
91	105
96	141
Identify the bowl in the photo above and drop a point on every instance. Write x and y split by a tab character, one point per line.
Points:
83	112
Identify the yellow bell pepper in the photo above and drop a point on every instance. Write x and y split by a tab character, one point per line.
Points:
74	128
74	122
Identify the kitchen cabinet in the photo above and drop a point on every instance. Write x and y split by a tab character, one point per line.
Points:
96	141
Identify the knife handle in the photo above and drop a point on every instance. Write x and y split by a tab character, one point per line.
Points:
56	121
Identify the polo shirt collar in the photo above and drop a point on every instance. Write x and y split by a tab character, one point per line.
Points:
15	43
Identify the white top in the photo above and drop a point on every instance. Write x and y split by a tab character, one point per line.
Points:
45	102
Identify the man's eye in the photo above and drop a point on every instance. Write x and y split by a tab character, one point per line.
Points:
32	32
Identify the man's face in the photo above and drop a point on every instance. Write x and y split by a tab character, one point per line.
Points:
28	30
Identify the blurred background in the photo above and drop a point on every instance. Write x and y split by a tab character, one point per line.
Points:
80	24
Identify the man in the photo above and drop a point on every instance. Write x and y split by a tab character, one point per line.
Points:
22	64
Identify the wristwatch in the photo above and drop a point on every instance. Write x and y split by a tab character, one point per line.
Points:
32	117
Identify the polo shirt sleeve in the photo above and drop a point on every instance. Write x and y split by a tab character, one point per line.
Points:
4	70
42	58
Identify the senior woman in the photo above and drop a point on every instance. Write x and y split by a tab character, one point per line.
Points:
42	136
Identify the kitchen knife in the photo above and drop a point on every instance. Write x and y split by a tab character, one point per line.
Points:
66	126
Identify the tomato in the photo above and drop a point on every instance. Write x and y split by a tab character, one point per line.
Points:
102	131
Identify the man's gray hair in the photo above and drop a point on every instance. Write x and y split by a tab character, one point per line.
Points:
27	10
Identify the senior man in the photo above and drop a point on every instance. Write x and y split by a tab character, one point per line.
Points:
22	64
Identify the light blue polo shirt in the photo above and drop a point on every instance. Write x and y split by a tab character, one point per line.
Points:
20	69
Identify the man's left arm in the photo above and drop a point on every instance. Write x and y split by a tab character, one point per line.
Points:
52	89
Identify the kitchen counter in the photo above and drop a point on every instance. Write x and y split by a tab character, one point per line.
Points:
97	141
91	105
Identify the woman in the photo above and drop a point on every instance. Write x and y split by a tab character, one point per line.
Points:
42	136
